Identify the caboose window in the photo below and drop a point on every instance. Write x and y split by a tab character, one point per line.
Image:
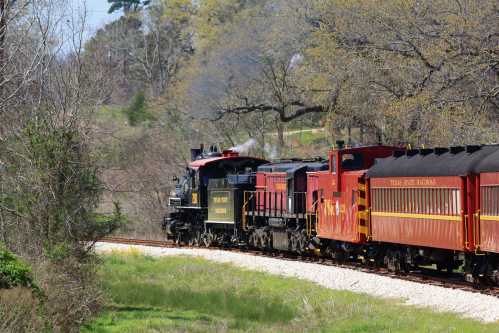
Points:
352	161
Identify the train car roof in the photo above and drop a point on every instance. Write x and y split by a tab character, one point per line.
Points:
292	167
453	161
211	161
489	163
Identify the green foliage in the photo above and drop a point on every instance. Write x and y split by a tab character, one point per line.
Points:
127	5
185	294
52	190
13	272
136	112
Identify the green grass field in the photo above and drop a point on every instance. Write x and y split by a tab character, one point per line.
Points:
183	294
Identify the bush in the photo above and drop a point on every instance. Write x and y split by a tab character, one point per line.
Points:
13	272
136	112
50	192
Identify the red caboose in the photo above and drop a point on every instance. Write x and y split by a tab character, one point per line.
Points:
338	196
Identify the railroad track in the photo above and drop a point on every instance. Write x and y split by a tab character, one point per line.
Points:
426	276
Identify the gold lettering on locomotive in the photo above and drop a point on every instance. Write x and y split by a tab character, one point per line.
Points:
220	200
220	211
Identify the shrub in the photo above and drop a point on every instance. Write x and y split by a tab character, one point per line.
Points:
13	272
136	112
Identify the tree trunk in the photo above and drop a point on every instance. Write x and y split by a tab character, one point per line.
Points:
280	137
3	32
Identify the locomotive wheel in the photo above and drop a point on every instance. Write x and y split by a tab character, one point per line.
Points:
178	238
207	239
195	239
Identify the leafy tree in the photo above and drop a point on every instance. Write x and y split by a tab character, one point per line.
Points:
419	72
127	5
136	112
252	67
144	51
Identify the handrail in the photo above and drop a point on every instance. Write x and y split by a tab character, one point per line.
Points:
276	203
476	230
466	237
309	219
245	204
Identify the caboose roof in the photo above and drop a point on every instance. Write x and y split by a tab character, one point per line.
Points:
453	161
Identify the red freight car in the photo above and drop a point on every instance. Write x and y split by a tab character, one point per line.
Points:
341	207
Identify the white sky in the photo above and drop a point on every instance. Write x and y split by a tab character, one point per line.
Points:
97	13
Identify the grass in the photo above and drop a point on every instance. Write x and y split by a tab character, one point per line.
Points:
183	294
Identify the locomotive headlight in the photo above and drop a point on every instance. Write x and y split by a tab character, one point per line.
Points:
173	194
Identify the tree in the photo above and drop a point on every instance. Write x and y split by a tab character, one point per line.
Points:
144	51
421	63
49	179
127	5
252	65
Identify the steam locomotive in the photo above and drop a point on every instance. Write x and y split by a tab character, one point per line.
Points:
382	205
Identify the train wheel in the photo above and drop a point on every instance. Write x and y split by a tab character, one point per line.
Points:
395	261
207	239
195	238
178	238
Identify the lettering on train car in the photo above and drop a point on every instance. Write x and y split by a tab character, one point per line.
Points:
413	182
280	187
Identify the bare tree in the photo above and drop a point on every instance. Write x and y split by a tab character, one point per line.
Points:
49	179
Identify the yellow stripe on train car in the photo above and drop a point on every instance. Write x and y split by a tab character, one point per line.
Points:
489	218
418	216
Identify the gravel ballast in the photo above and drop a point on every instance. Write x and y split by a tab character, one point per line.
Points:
472	305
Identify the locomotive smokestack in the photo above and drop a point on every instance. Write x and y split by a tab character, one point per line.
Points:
196	152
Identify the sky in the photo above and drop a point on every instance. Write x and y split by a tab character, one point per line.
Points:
97	13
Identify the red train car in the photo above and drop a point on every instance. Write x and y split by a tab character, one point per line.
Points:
281	186
486	217
423	200
338	195
275	213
